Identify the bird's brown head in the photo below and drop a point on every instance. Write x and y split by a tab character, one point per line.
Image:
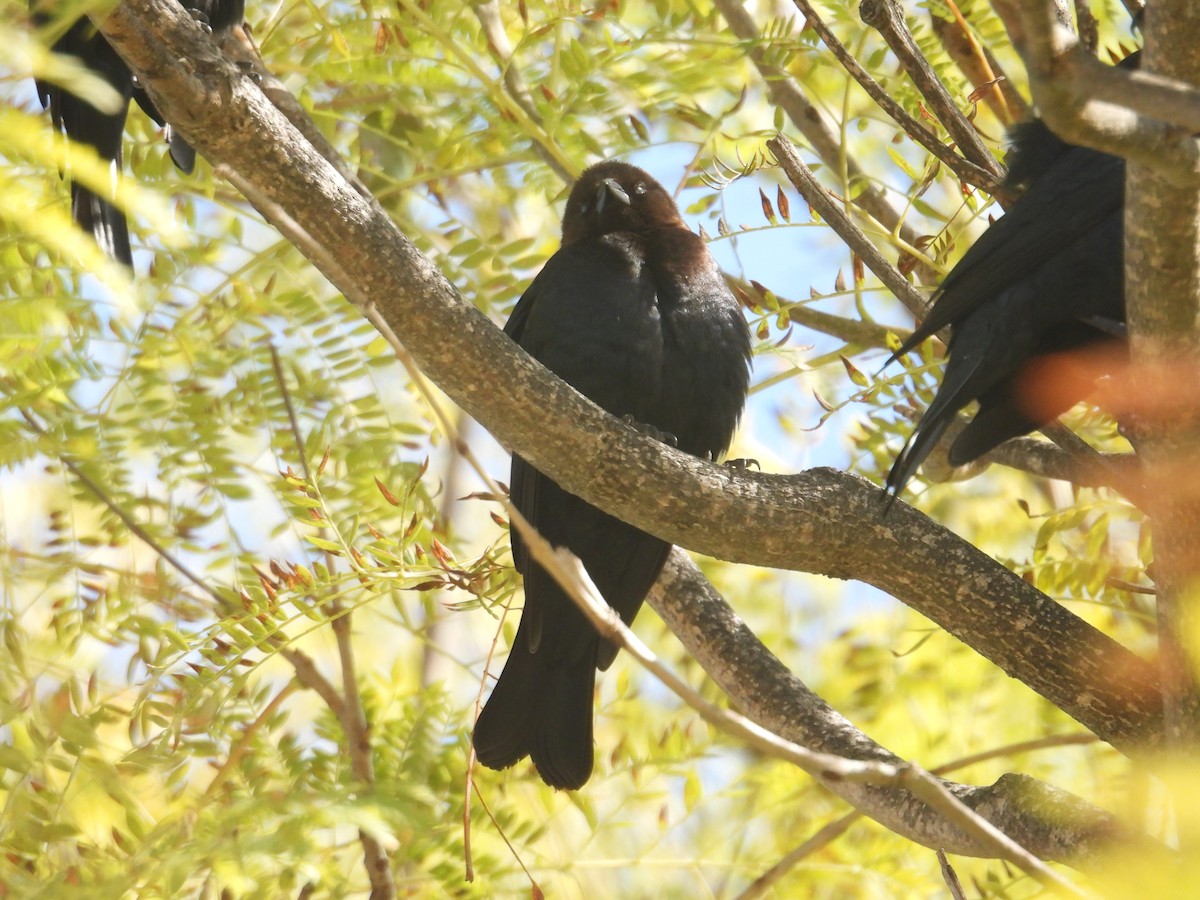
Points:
614	196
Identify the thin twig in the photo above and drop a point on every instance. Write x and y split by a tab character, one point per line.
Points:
966	170
820	200
887	17
950	877
350	712
789	96
242	747
488	13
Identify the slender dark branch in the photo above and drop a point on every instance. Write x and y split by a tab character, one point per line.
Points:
887	17
811	122
819	199
966	170
488	13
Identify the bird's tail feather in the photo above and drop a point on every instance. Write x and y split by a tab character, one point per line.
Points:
103	221
543	711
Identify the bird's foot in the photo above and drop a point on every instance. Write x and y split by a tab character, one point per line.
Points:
201	20
659	435
247	68
742	464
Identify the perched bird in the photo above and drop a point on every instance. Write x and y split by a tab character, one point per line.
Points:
1046	279
633	313
103	131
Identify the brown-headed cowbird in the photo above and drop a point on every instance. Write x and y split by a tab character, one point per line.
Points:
1046	279
103	131
633	313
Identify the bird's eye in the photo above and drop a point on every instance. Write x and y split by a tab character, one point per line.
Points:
639	188
583	209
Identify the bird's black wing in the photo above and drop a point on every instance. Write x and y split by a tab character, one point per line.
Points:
1045	279
102	131
1075	195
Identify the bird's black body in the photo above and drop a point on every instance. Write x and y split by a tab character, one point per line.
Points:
633	313
103	131
1046	279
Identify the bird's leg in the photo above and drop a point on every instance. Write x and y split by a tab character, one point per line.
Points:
659	435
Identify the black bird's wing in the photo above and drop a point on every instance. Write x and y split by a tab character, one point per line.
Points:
104	132
1045	279
1080	190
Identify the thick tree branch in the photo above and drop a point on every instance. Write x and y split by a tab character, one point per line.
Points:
759	685
903	781
1142	116
818	521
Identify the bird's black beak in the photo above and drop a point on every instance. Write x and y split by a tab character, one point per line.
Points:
609	189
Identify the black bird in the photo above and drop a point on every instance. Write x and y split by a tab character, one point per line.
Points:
633	313
103	131
1046	279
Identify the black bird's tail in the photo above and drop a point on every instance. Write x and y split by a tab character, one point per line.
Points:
541	708
103	221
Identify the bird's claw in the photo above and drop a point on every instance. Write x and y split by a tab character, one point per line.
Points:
201	20
247	68
658	434
742	464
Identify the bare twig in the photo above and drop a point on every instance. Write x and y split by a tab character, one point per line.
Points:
887	17
488	13
966	170
981	67
820	200
811	122
242	747
950	877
